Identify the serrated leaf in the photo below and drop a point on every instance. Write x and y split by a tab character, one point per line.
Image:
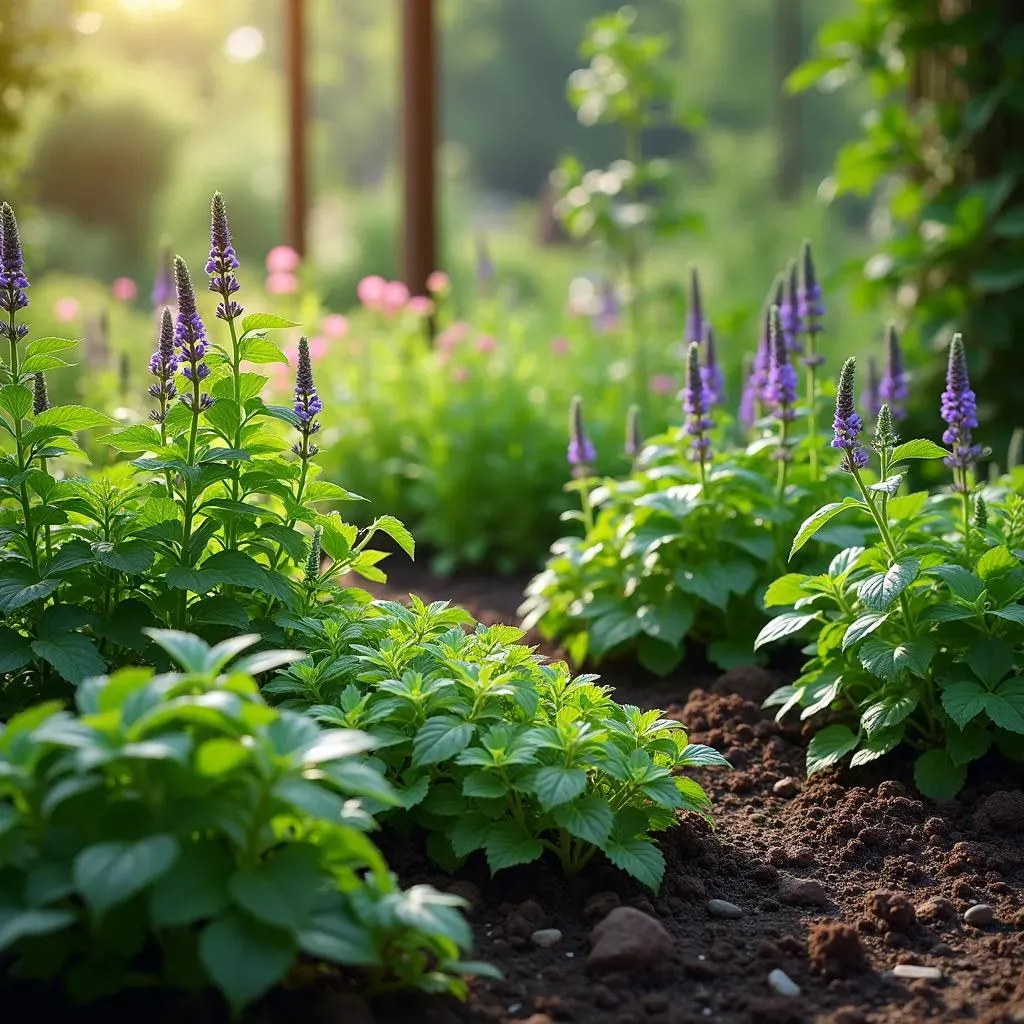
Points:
813	523
639	858
710	585
937	777
440	739
71	417
610	630
887	658
195	888
137	438
16	400
589	818
962	583
862	627
556	785
265	322
991	660
261	351
963	700
996	561
876	746
786	590
107	874
964	746
880	590
887	713
73	655
397	532
828	747
700	755
509	844
919	449
782	626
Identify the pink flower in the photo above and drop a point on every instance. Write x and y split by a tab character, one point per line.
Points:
317	347
485	343
395	296
125	289
67	309
283	259
559	346
460	375
371	291
420	305
663	384
451	336
282	283
291	353
438	282
335	325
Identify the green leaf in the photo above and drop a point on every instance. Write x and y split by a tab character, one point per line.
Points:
137	438
668	622
876	746
963	700
589	818
786	590
997	561
1011	613
711	584
920	449
782	626
815	522
220	756
245	958
612	629
107	874
937	777
880	590
15	651
397	532
699	755
260	350
17	924
639	858
265	322
71	417
862	627
991	660
509	844
964	746
188	651
282	890
484	785
47	346
73	655
440	739
1010	223
555	785
131	557
16	400
887	713
887	658
1006	706
195	888
829	747
658	657
40	364
962	584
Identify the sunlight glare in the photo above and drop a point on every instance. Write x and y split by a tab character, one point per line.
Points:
244	43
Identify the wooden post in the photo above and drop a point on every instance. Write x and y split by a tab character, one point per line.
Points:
295	64
419	143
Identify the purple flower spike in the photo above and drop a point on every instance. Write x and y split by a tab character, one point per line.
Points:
871	401
711	371
223	262
789	316
847	423
190	333
307	402
697	406
609	317
40	396
893	388
13	282
959	410
163	285
809	299
581	452
782	379
163	365
695	322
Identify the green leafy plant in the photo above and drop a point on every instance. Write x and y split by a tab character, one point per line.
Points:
918	634
176	831
490	749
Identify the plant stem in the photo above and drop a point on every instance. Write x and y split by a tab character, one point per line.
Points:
965	496
186	536
236	363
812	404
780	486
26	504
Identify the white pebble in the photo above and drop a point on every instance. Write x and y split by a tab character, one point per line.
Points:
783	984
546	937
913	971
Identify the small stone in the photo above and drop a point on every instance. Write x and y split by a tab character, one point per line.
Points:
723	908
546	937
980	915
599	906
783	984
936	909
802	892
914	971
786	788
627	939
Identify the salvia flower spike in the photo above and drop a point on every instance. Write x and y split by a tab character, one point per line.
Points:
892	387
697	406
809	305
223	262
782	378
311	570
871	401
163	365
40	398
756	393
885	434
634	435
959	411
581	452
789	315
694	310
711	371
847	423
980	513
307	402
13	282
190	333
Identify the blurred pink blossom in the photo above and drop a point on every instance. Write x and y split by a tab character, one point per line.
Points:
460	375
317	347
125	289
663	384
559	346
395	297
438	281
67	309
370	291
283	259
291	353
485	343
282	283
420	305
452	335
335	325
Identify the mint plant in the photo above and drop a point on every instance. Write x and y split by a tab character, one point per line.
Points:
174	830
488	748
210	524
918	637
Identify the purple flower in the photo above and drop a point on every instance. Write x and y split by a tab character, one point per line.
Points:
810	308
782	379
163	286
189	333
695	322
711	372
847	423
223	262
959	410
871	400
755	392
163	365
40	398
581	452
634	435
307	402
13	283
697	406
892	388
789	317
608	316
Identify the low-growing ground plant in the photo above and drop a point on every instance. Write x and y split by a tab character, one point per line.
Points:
175	830
918	634
488	748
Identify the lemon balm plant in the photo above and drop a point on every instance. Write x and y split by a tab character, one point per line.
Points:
918	637
209	525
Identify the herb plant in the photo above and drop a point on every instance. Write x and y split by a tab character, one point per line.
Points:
490	749
177	831
918	634
209	525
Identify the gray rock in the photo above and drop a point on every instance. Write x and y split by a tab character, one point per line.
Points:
802	892
546	937
980	915
723	908
783	984
916	972
786	787
628	939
